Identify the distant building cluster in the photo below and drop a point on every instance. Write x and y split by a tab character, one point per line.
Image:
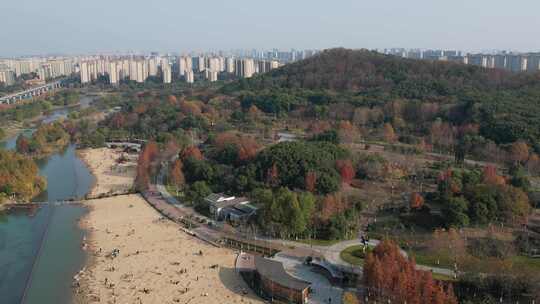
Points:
138	67
515	62
187	68
44	68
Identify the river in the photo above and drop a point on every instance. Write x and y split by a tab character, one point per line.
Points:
41	251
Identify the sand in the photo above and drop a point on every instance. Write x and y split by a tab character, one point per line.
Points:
111	177
156	263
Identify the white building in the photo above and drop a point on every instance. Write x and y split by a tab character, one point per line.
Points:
167	73
113	73
190	78
7	77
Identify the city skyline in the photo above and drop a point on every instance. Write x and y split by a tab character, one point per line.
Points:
59	27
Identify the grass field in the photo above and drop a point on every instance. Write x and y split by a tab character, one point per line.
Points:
354	255
319	242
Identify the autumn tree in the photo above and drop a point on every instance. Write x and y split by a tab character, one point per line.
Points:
346	170
176	175
191	151
389	133
519	152
491	177
172	100
390	276
311	181
416	200
144	165
533	164
22	144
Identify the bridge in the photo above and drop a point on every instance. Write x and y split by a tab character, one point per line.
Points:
31	93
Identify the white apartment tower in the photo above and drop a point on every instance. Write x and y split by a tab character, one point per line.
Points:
167	73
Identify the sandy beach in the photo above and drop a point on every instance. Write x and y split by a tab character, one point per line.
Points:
138	257
111	176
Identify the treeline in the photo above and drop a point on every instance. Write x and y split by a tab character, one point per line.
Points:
19	177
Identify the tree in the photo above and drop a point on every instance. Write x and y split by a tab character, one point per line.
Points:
416	201
346	170
2	134
389	276
455	212
176	175
196	193
388	133
144	165
519	152
310	181
191	151
22	144
491	177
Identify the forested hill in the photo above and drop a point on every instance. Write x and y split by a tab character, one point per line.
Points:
504	105
362	70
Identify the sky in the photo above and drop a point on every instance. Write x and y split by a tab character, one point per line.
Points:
34	27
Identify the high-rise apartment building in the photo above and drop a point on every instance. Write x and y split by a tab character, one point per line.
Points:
167	72
85	73
190	77
7	76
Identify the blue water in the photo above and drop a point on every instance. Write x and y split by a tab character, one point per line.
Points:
40	251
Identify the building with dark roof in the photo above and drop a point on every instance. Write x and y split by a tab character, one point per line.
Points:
269	279
232	208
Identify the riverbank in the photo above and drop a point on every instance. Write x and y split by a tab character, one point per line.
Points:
136	256
111	176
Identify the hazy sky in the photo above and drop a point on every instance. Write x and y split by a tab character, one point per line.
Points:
85	26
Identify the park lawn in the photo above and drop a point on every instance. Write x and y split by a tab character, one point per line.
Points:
318	242
354	255
431	260
524	261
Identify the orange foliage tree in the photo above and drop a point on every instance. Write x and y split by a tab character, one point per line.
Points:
519	152
176	175
191	151
491	177
389	276
247	146
417	201
311	181
389	133
346	170
144	165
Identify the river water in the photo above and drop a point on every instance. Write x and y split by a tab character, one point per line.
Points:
41	251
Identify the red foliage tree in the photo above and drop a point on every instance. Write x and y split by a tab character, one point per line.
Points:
176	175
346	170
417	201
390	276
191	151
272	175
118	121
22	144
247	146
491	177
147	156
172	100
310	181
